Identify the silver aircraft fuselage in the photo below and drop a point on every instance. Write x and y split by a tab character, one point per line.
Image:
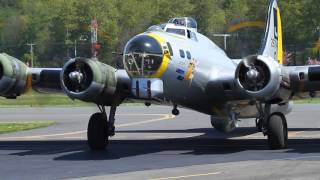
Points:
202	79
201	92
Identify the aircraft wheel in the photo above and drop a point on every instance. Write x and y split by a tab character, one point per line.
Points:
175	112
97	133
277	131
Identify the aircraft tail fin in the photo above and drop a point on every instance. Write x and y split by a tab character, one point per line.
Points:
272	42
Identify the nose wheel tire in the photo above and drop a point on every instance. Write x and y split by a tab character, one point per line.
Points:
175	112
97	132
277	131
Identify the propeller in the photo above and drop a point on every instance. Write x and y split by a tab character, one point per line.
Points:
253	74
76	76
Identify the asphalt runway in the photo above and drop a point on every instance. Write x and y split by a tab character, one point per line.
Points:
151	144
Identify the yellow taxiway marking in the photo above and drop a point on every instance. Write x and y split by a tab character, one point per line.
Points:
164	117
186	176
294	133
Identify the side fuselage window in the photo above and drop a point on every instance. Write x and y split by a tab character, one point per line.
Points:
182	53
188	54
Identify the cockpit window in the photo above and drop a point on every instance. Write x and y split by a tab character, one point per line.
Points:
176	31
185	22
191	23
178	21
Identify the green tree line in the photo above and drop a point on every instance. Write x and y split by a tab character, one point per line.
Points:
57	26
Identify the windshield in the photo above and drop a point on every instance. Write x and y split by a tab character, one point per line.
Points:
176	31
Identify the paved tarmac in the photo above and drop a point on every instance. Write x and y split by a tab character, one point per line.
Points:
151	144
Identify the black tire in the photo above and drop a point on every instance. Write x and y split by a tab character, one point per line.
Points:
175	112
277	131
97	133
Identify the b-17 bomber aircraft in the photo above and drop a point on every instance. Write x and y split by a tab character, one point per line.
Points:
175	65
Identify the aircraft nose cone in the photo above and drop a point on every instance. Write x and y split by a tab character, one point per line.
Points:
143	44
143	56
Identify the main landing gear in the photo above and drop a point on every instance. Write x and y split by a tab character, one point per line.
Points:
100	128
175	110
274	126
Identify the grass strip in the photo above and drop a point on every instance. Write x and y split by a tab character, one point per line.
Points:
34	99
8	127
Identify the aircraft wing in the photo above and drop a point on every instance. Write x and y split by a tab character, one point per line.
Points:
303	81
81	78
46	79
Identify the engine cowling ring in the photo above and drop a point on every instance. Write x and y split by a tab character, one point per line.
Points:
95	81
268	80
13	76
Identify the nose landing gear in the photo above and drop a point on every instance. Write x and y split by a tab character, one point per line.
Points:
175	110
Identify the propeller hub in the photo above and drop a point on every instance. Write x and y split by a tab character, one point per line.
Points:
76	76
252	75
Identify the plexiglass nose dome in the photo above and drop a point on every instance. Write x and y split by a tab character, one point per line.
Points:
143	56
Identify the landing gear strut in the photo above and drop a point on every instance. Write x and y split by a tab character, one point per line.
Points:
100	128
274	126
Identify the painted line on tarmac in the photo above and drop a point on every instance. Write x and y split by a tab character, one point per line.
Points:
292	134
186	176
164	117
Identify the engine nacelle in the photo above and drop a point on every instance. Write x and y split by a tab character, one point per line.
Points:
259	77
13	76
89	80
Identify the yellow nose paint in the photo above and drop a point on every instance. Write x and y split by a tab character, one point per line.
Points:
166	56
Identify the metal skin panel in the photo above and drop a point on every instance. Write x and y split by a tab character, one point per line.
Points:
147	88
211	68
